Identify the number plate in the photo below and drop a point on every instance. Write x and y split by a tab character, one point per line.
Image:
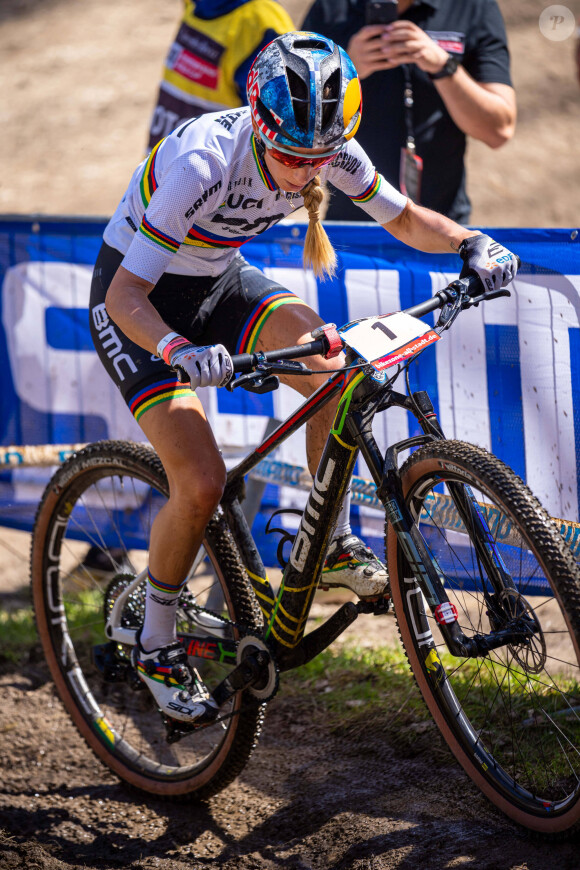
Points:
388	339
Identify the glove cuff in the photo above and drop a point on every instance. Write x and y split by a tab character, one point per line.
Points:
469	244
169	344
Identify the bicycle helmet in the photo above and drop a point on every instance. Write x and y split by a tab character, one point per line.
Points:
304	92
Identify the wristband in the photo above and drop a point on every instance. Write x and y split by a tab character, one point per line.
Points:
169	344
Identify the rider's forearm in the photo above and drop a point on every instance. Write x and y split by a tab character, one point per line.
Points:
127	304
486	112
427	230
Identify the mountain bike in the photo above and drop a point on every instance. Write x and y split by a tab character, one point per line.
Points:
485	591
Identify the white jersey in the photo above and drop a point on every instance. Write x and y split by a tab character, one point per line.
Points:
204	191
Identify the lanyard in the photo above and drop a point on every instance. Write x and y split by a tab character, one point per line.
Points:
408	101
411	166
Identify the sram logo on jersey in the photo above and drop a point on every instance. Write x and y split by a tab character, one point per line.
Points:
203	198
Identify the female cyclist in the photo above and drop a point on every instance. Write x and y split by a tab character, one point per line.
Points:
170	288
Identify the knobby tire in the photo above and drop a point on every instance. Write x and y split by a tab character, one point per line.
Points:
106	497
511	716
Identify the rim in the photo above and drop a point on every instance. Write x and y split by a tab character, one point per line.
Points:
96	547
521	701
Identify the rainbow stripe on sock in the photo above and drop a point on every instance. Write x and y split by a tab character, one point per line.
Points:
167	588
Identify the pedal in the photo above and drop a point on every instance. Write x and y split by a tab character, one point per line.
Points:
176	730
380	606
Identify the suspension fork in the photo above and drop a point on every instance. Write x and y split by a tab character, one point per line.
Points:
469	510
385	473
427	573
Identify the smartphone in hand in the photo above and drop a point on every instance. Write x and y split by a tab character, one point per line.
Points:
381	11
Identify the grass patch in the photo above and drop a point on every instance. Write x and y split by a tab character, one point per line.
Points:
369	697
19	639
18	633
363	694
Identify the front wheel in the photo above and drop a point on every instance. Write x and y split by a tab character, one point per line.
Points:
510	715
89	545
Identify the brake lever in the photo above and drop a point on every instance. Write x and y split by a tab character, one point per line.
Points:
448	314
263	379
254	382
492	294
284	366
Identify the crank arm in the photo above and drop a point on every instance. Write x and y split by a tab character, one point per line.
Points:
247	673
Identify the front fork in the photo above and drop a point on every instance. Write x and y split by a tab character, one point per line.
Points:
424	566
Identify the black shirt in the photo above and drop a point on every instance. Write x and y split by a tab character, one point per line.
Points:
472	28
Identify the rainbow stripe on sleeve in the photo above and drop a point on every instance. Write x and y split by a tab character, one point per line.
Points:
371	190
147	187
162	239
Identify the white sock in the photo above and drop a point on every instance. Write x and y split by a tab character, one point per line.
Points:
343	522
160	614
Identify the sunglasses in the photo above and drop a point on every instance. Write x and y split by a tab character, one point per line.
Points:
295	161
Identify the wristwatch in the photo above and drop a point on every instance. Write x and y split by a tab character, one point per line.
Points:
449	67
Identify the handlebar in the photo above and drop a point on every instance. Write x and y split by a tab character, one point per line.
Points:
247	362
469	287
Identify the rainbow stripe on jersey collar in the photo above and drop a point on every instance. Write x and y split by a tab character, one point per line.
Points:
258	152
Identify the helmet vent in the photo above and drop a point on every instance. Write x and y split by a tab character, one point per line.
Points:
311	44
330	97
300	98
267	116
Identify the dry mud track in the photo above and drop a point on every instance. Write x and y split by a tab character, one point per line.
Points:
307	799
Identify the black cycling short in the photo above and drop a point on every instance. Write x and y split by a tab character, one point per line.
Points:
230	310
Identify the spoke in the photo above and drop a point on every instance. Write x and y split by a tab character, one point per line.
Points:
565	754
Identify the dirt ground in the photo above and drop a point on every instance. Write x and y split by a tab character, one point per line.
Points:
78	81
307	799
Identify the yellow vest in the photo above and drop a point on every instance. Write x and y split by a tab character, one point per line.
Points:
217	47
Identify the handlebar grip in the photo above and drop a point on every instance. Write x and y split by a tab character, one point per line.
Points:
242	362
247	362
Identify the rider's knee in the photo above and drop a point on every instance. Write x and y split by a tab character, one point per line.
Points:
198	488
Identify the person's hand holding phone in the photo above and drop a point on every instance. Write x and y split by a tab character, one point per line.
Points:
404	42
365	47
388	41
366	51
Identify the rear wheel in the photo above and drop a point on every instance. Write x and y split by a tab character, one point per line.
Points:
89	545
512	715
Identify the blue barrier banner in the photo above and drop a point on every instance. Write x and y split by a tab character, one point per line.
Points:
507	376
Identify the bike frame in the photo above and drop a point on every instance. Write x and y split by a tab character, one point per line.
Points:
286	613
361	393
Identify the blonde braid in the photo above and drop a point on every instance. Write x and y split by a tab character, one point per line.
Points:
318	250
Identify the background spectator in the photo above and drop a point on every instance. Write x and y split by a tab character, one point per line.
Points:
439	73
208	62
